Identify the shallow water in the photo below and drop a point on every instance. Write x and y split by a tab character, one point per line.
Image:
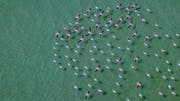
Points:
27	37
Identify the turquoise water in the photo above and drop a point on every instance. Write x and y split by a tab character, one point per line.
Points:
27	36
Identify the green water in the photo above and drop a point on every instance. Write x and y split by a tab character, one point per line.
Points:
27	29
